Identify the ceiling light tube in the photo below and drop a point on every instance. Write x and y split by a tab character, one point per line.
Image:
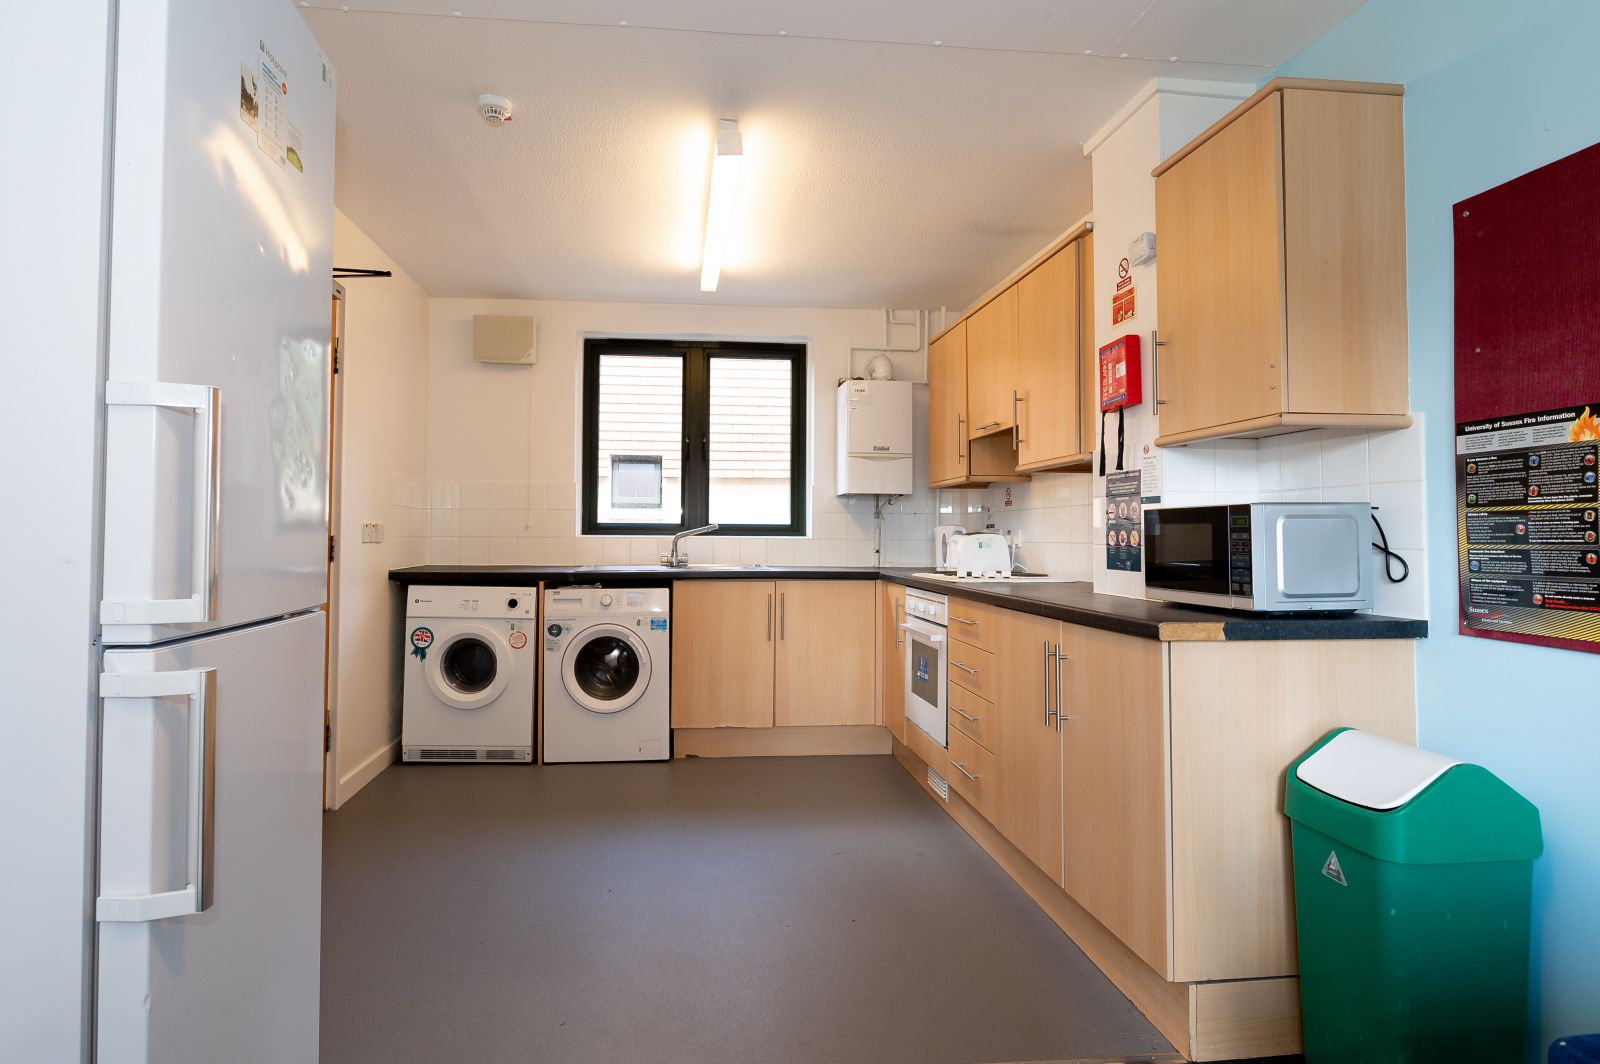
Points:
725	168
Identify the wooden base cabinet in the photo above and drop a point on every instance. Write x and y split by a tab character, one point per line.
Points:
1027	740
763	653
892	643
1282	267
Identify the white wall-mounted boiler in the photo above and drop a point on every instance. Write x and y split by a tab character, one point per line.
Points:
874	419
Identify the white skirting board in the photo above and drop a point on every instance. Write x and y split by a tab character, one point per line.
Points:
352	782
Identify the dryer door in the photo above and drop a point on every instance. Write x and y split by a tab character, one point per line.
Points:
468	667
606	668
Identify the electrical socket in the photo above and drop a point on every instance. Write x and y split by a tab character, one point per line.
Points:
372	531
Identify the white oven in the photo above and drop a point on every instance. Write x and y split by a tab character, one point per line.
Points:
926	617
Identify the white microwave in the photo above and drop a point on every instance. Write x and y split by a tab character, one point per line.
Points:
1272	557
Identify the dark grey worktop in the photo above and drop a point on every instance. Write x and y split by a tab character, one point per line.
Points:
1074	602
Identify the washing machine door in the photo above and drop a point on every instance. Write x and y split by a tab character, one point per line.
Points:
606	668
469	667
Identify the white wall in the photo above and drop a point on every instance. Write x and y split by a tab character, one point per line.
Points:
51	214
503	440
383	413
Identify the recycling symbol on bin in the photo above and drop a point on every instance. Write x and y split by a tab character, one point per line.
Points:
1331	869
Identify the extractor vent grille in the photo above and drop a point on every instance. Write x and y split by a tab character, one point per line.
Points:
447	755
500	755
505	339
940	785
478	754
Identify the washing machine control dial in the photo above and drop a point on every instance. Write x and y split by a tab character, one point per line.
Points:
605	600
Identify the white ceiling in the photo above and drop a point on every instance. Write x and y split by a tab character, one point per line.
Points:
881	169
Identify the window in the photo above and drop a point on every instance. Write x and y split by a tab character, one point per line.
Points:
678	435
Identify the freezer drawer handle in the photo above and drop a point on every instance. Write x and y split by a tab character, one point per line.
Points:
201	687
207	406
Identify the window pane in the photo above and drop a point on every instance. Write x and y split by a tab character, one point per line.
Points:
640	440
751	403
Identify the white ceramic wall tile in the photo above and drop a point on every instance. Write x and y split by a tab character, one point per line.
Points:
753	552
1407	599
807	552
614	550
1237	469
1188	469
1300	461
780	551
444	523
475	522
1397	455
560	550
474	551
530	550
506	522
556	524
1403	512
444	550
832	552
503	550
1344	458
534	495
724	550
508	495
644	551
700	549
475	495
830	526
587	550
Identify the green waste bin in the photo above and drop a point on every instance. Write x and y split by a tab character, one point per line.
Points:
1412	881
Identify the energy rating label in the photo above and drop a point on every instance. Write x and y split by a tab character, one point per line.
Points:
1528	526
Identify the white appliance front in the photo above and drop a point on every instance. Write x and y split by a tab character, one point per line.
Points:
217	434
607	679
926	663
874	455
211	796
470	673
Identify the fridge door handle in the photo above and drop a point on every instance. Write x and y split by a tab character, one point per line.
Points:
200	685
206	404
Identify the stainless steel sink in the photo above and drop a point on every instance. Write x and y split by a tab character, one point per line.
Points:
716	567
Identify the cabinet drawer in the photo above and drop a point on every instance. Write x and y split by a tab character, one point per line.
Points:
972	773
973	715
973	623
972	669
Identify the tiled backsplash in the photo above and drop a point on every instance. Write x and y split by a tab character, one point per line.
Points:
1048	517
481	522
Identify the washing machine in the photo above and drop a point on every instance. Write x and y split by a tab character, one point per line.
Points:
607	681
470	674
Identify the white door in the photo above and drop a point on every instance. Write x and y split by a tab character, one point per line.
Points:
211	758
221	242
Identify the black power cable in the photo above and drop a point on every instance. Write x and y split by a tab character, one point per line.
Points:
1389	556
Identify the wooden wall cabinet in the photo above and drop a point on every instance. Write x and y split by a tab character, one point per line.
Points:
956	460
762	653
1051	431
992	365
1282	292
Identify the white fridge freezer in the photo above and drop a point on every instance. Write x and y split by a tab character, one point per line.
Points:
215	534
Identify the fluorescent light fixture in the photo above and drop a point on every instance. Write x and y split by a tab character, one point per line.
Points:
725	168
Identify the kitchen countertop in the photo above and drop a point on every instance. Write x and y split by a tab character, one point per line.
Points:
1075	602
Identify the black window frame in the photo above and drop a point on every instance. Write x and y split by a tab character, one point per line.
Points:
696	357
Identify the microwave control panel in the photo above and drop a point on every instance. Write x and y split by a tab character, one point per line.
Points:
1239	550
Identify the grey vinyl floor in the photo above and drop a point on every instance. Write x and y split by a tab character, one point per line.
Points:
709	911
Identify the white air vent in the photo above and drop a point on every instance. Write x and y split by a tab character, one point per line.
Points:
940	785
447	755
505	339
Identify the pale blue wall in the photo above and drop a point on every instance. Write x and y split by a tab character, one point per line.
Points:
1493	89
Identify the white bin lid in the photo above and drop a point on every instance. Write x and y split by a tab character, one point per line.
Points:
1371	771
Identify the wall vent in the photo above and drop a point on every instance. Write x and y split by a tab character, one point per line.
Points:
940	785
505	340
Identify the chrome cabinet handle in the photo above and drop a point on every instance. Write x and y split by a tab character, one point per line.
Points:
206	404
1157	343
1016	422
959	767
200	685
1049	656
963	620
964	668
1061	703
769	617
961	712
783	616
961	433
899	626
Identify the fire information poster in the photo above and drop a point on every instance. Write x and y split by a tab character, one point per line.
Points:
1527	407
1123	521
1528	523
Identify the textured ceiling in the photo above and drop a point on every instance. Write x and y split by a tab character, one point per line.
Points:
880	169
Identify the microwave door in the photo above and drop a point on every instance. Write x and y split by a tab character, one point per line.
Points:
1186	552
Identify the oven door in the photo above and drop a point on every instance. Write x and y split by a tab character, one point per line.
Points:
925	678
1188	556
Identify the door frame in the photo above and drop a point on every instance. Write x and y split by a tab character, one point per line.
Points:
330	756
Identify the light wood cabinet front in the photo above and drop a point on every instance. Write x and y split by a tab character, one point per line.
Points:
1049	341
1027	743
947	407
974	774
893	660
992	364
722	653
1221	291
825	652
1115	798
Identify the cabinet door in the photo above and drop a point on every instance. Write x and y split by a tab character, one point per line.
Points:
723	634
1027	744
947	407
992	364
825	652
1114	789
1221	292
1048	361
892	646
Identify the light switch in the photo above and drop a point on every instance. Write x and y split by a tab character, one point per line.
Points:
372	531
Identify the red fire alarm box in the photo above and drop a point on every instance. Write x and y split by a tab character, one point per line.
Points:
1119	373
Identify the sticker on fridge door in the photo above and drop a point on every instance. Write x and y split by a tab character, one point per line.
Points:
272	91
421	640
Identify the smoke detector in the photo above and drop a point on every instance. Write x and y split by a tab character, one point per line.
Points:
495	110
